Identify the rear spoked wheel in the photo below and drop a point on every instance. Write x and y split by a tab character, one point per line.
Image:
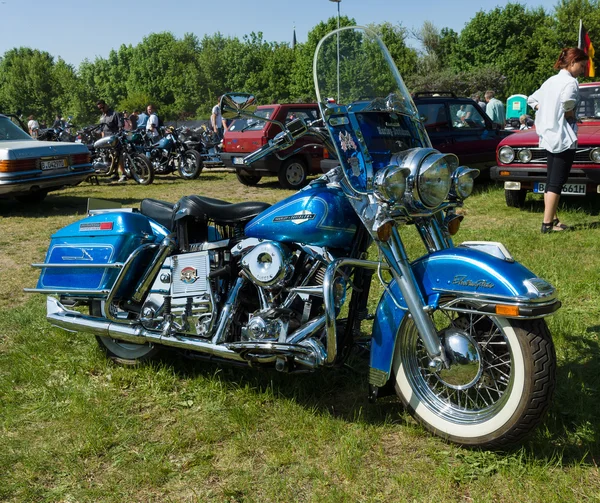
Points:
498	387
125	353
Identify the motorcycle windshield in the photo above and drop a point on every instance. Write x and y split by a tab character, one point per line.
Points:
365	105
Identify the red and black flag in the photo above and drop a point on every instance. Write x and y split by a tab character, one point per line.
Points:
585	43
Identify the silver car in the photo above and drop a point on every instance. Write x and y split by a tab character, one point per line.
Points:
29	169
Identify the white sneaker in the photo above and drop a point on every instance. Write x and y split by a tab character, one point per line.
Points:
123	179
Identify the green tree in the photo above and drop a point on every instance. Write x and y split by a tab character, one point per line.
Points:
504	39
26	82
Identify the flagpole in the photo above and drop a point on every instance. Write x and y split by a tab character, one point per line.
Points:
580	38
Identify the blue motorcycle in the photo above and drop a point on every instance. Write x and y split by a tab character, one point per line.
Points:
458	333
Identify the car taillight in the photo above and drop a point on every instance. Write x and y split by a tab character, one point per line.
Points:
263	140
80	159
13	166
325	153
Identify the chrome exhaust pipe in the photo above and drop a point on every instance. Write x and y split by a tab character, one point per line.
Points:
74	321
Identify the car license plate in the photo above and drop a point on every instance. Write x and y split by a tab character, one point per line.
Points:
569	189
54	164
238	160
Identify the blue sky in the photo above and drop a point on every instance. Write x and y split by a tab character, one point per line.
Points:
80	29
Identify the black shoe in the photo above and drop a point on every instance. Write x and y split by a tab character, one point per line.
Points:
554	227
114	178
556	223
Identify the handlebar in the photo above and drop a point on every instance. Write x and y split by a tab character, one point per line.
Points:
291	132
281	141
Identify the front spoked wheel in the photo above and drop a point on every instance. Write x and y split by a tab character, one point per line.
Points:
498	387
189	165
140	168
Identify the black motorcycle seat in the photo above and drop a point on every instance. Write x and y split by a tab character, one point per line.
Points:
159	211
205	208
218	211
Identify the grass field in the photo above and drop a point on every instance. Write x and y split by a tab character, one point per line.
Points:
75	427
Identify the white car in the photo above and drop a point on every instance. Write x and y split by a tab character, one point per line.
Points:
29	169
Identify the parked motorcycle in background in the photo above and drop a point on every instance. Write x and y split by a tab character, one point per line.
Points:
172	154
58	133
457	333
109	149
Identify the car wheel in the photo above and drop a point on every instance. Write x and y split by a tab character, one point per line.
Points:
33	197
515	198
293	173
248	180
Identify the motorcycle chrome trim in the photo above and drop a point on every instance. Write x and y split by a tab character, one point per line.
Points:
314	354
501	299
115	265
310	328
166	248
491	248
402	272
49	291
378	377
121	277
526	310
329	298
227	313
74	321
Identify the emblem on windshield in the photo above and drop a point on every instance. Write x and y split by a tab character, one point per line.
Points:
347	141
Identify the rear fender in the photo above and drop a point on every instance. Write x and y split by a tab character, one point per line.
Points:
464	273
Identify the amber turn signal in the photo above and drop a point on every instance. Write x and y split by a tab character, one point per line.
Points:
504	173
507	310
454	224
384	231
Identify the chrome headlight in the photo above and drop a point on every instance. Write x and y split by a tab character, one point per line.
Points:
525	155
435	178
595	154
390	183
506	155
463	181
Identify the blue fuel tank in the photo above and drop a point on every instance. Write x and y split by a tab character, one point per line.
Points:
319	215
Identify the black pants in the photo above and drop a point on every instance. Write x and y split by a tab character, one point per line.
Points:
559	167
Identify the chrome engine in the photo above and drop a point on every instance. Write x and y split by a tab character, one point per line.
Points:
268	264
181	298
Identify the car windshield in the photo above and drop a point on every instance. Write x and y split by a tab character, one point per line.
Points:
589	105
10	131
252	124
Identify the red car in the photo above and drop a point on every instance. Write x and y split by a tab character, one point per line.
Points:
521	163
307	156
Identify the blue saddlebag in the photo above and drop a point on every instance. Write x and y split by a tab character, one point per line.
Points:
86	245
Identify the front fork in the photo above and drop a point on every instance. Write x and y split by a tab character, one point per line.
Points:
418	309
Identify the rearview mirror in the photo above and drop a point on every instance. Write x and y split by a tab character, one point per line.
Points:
234	105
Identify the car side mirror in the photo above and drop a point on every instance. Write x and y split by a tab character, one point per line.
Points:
234	105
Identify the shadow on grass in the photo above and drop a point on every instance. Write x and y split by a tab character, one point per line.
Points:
339	392
570	431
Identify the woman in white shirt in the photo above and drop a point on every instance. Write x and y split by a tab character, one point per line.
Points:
556	103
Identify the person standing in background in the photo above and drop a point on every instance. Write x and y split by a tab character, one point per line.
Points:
153	124
494	109
33	127
217	122
142	120
555	104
